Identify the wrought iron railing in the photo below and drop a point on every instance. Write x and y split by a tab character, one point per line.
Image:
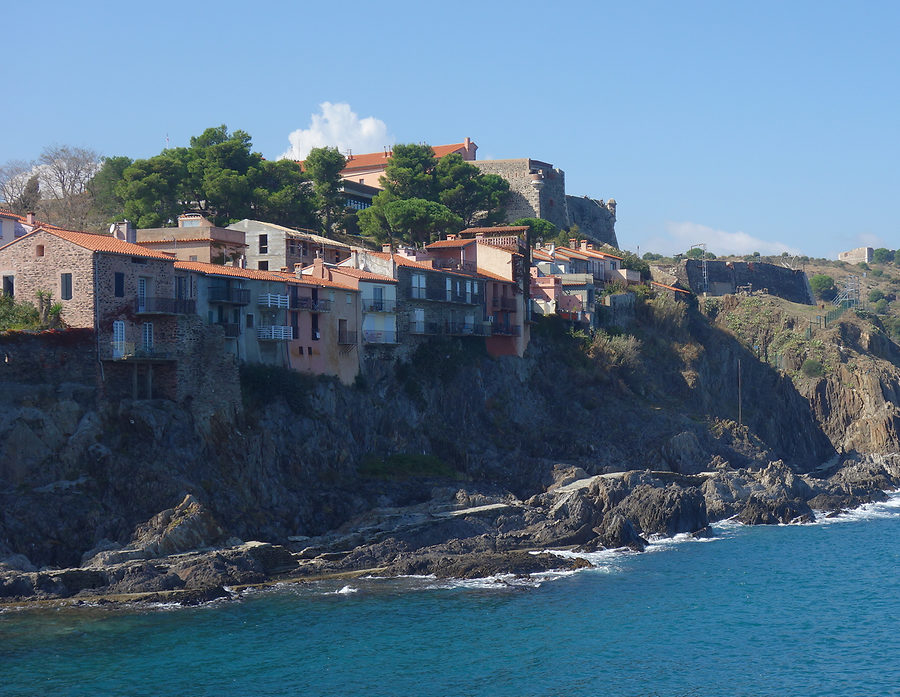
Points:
164	306
233	296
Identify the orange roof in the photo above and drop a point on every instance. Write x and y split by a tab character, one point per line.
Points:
540	254
363	275
192	239
663	285
234	271
99	243
443	244
379	160
493	276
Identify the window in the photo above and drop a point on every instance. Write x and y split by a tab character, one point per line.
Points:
309	350
193	257
65	286
118	342
249	321
9	286
348	298
331	295
263	266
315	327
418	285
119	290
39	250
181	287
138	260
147	335
449	289
263	244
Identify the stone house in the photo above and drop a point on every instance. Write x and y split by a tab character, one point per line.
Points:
273	247
128	294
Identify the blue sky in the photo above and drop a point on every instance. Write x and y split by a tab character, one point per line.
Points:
763	126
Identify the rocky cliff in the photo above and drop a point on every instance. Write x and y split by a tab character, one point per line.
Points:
306	454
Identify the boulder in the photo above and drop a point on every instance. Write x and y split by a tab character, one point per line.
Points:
187	527
666	510
762	511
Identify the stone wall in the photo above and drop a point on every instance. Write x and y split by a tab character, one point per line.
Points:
726	277
595	218
48	358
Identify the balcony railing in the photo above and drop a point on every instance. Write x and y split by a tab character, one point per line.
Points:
310	305
272	300
501	303
128	350
275	333
506	330
442	296
429	328
468	266
346	337
232	330
380	337
373	305
164	306
465	329
232	296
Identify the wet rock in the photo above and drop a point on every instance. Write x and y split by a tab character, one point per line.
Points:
664	511
760	511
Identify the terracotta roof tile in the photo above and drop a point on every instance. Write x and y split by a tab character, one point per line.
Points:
233	271
496	231
443	244
101	243
363	275
377	160
493	276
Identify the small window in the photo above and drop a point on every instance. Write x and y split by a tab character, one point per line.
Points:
147	335
249	321
9	286
550	203
119	285
138	260
348	299
331	295
193	257
315	327
65	286
39	250
309	350
263	266
263	244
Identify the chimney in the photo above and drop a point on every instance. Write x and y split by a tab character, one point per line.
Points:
318	268
591	247
573	243
479	236
450	238
354	259
584	245
386	248
29	218
552	251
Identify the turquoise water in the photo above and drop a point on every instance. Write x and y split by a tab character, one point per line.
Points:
790	610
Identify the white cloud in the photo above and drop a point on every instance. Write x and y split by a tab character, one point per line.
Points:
680	237
337	126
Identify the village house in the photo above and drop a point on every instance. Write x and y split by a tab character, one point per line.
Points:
273	247
195	239
378	297
129	295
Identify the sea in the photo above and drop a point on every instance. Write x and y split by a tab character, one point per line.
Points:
769	610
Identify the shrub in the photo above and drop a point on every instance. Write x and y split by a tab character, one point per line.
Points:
823	286
875	295
812	368
17	315
623	351
881	306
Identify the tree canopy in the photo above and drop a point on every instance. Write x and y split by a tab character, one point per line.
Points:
457	186
324	165
823	286
219	176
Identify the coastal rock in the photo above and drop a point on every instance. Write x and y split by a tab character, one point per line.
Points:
616	532
664	511
760	511
187	527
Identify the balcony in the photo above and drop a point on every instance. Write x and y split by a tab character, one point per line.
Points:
443	296
506	330
164	306
272	300
229	296
275	333
455	265
380	337
506	304
347	337
372	305
424	328
310	305
130	351
232	331
465	329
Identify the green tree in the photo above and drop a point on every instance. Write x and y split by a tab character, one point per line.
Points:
540	229
30	197
219	176
418	220
470	194
875	295
823	286
108	204
415	173
882	256
324	166
652	256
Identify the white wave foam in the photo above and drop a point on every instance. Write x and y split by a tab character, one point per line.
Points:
346	590
868	511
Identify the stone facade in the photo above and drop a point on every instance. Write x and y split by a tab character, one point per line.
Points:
728	277
538	190
283	248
